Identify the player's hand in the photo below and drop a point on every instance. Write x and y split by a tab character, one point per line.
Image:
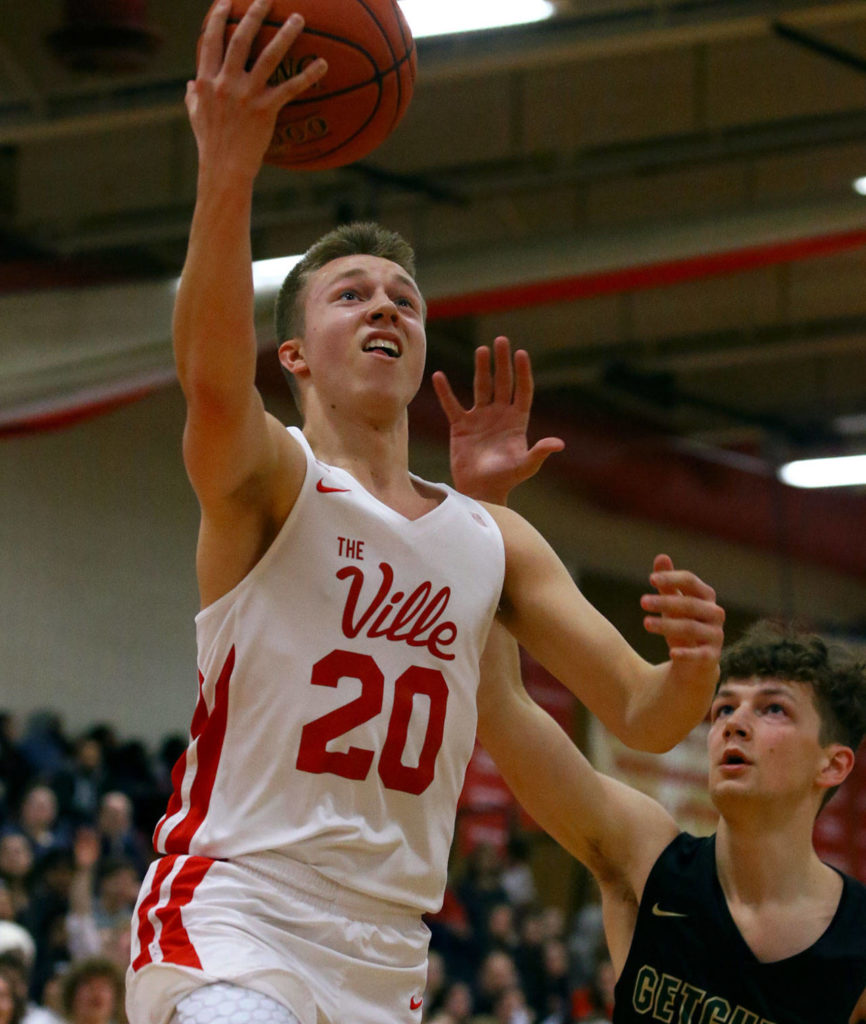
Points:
232	107
684	611
489	451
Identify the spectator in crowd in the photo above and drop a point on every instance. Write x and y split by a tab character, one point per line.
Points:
480	889
496	975
516	875
457	1005
16	869
17	952
44	744
12	1003
93	992
37	820
119	838
82	783
7	911
14	770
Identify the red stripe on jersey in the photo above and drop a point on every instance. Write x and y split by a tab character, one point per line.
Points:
174	941
175	803
146	930
208	733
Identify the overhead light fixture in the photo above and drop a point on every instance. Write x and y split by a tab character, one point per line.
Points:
841	471
859	185
446	17
268	275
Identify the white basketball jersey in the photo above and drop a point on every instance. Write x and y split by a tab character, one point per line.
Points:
337	686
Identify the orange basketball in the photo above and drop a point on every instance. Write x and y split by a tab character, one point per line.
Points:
366	90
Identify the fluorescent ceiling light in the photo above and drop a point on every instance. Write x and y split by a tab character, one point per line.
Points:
444	17
843	471
268	275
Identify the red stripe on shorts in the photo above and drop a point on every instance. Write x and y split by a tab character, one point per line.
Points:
146	930
209	737
174	942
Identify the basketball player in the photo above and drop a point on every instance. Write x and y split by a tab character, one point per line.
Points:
744	927
345	608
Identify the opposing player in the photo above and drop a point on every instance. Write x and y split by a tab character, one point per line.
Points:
746	926
345	608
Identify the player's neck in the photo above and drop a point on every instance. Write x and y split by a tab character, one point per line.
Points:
376	453
767	863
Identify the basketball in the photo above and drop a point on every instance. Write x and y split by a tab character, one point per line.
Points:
357	105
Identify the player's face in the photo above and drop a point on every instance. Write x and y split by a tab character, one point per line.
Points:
763	740
364	331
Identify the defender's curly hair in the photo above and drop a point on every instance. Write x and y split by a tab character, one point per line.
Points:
769	650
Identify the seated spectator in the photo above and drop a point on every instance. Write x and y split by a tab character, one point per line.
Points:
38	820
12	1004
510	1008
501	929
102	897
457	1004
480	889
16	871
497	975
14	770
119	838
517	878
44	744
82	783
17	951
93	992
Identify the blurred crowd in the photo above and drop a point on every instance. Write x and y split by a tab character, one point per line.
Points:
76	815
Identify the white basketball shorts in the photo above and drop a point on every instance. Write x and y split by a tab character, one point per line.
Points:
276	926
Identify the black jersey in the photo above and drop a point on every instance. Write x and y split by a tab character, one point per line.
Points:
688	963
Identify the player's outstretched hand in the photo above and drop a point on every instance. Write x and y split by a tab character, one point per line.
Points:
489	451
231	104
684	611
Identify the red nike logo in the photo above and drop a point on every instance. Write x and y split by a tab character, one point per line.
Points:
415	1003
323	488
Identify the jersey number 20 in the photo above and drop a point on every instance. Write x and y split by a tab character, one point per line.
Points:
354	763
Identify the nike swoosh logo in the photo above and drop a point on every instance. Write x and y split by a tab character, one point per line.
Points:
323	488
415	1003
658	912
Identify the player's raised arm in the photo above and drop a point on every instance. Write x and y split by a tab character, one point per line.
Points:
649	707
614	830
232	110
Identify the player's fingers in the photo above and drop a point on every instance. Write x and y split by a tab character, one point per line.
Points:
684	606
241	42
681	633
683	582
276	49
447	399
540	451
696	655
482	385
503	376
210	54
524	385
300	82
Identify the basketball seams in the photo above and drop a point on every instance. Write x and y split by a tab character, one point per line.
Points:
399	108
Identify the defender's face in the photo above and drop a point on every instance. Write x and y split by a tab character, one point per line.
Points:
763	739
364	330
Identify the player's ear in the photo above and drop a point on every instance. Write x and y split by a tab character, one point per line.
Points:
291	354
835	766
